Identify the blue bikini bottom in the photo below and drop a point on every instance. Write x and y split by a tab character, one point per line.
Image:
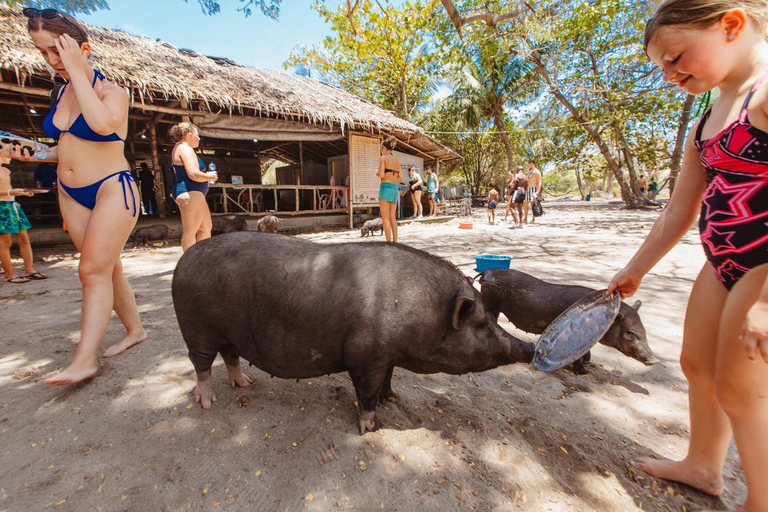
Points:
86	195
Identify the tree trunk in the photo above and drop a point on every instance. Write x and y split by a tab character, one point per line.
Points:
677	153
629	198
578	182
505	139
621	143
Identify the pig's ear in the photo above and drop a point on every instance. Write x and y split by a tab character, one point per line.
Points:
465	303
637	305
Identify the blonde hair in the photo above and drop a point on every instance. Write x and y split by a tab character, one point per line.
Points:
389	143
181	130
702	14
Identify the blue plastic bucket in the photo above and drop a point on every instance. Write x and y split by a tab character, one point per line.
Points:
488	261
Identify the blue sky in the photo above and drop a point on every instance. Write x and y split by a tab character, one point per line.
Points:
254	41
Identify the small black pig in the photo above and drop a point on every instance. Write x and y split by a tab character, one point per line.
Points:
303	310
268	224
372	225
227	224
154	233
532	304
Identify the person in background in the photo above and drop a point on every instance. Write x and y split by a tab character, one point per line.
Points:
653	187
641	184
190	185
389	173
97	194
148	198
14	222
534	189
433	185
518	187
493	201
701	45
45	175
414	188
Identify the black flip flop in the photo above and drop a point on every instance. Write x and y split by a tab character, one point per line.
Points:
36	275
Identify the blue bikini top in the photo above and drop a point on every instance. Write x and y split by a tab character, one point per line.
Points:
79	128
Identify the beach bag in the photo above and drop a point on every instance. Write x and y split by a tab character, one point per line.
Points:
537	209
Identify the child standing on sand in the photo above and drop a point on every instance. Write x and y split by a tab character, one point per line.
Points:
14	222
700	45
493	200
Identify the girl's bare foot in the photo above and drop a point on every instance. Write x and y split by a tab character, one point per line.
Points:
72	376
683	472
126	343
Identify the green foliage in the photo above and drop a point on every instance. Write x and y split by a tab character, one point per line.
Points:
595	47
483	150
380	53
560	182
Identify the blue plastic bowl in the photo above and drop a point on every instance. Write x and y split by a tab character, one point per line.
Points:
488	261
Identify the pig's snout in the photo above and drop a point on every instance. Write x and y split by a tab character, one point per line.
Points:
650	361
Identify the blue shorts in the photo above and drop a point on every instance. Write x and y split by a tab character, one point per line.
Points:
492	205
12	218
388	192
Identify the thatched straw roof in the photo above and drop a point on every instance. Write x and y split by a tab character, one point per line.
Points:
156	72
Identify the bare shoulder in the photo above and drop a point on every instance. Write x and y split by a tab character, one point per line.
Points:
108	89
758	108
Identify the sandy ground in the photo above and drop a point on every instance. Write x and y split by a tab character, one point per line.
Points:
507	439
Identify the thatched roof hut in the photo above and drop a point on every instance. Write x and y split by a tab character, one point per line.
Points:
231	103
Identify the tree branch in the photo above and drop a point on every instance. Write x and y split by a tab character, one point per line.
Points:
486	16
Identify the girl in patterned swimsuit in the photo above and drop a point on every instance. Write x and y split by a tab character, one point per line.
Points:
97	195
702	44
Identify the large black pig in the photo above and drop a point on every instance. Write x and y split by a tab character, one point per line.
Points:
296	309
532	304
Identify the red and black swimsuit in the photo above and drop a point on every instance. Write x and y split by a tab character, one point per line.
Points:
734	212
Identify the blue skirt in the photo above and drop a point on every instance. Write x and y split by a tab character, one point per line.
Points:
388	192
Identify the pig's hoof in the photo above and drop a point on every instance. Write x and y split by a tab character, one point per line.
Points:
366	421
389	396
241	380
579	369
204	396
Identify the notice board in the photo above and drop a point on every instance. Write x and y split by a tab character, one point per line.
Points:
364	154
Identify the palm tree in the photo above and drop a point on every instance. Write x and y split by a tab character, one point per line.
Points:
490	82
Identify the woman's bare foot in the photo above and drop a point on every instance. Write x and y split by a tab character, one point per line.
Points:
683	472
72	376
126	343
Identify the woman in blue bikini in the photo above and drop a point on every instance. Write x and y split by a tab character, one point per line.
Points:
97	194
190	185
389	173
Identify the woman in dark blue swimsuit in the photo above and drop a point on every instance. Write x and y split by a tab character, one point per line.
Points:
190	185
97	195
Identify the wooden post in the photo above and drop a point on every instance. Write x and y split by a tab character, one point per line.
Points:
158	176
184	104
350	202
440	179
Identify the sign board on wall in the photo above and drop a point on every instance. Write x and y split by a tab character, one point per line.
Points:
364	153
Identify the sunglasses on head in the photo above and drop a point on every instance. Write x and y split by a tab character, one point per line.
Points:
49	14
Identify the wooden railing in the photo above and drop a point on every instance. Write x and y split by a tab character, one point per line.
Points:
251	199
